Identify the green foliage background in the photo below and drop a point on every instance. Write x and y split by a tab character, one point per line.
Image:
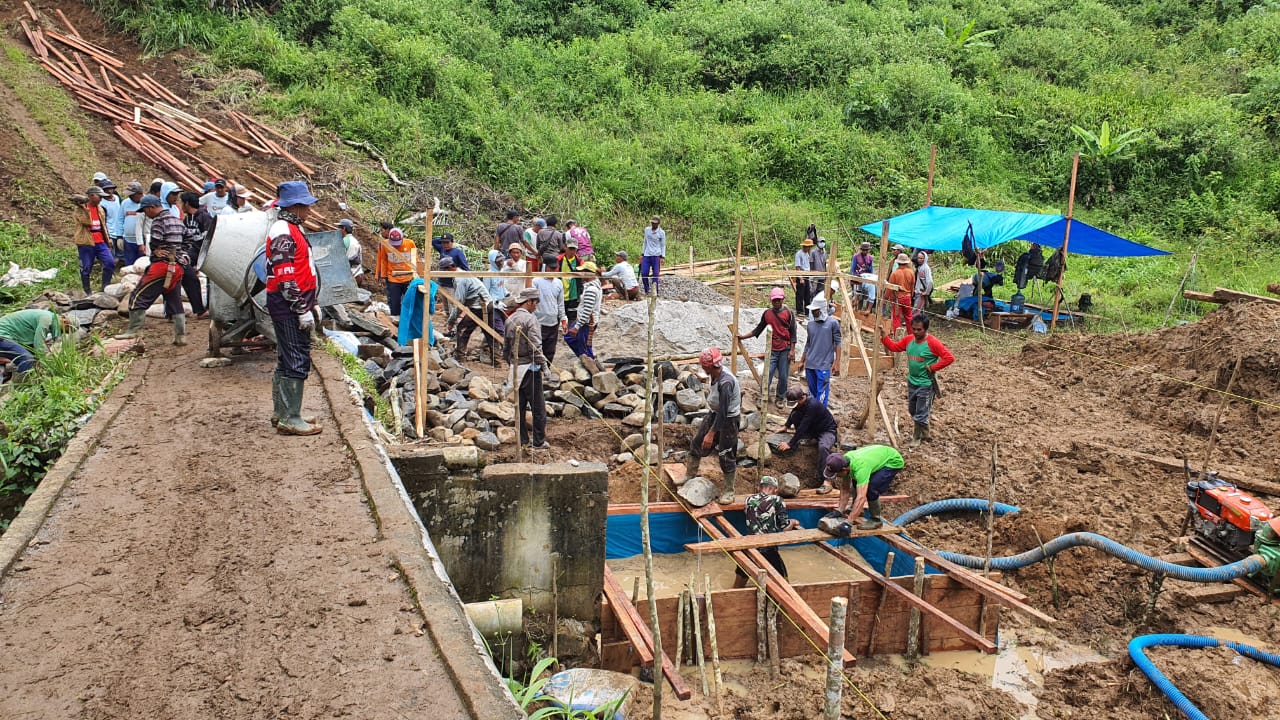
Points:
816	111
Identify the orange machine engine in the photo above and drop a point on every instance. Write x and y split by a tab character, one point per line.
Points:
1235	507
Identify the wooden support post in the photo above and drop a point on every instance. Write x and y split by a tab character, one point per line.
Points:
555	607
991	531
851	625
737	299
1222	405
884	595
635	590
645	539
423	376
738	348
681	610
1066	238
928	191
913	623
715	646
697	638
764	400
872	404
835	665
691	260
775	662
762	600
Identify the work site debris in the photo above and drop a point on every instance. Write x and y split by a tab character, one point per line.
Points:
25	276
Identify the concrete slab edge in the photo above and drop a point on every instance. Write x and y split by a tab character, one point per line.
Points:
472	670
23	529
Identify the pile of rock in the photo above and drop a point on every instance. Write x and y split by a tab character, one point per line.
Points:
84	310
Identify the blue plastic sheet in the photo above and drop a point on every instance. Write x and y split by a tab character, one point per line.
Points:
669	532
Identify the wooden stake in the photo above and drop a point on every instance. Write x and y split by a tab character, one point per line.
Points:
681	610
737	299
867	414
715	646
762	600
928	193
423	376
764	399
690	259
775	663
555	608
884	595
855	594
913	621
697	638
835	659
991	531
67	22
1066	238
655	627
1222	405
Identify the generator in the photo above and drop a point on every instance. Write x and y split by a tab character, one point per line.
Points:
1232	525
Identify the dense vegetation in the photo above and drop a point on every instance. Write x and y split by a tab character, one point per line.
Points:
814	111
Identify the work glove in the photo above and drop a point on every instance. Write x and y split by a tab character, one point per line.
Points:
306	320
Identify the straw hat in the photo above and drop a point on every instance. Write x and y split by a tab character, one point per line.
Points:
902	259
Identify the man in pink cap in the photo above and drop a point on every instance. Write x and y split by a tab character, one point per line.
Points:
719	428
782	349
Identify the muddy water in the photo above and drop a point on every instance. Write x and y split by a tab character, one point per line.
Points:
805	564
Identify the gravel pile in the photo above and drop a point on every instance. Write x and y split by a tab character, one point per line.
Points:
674	287
679	328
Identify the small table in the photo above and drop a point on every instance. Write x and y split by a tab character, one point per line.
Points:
997	320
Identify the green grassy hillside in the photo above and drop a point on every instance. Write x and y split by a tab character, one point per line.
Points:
815	111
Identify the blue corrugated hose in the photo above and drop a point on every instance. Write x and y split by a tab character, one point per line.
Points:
1138	645
1224	573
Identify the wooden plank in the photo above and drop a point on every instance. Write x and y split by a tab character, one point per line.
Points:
974	638
1206	557
1229	295
67	22
31	11
622	603
1200	296
627	622
808	500
789	537
442	292
973	581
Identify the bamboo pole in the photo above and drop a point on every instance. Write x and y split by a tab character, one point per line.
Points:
715	646
884	594
681	609
691	260
991	530
775	663
1222	405
764	400
654	626
697	637
835	659
737	298
868	413
424	356
762	600
913	621
1066	238
928	192
555	609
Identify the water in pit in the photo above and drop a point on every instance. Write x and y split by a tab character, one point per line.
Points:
805	564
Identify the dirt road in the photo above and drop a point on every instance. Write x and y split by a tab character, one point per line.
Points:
200	566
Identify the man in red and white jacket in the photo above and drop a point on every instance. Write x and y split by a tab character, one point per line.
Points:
291	296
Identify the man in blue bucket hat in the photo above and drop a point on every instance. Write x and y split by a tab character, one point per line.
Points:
291	297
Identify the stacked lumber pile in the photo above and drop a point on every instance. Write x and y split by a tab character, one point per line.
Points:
147	116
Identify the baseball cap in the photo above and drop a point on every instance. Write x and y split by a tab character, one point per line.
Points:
99	176
133	187
622	254
345	223
447	263
528	294
220	183
447	237
95	190
208	186
571	244
150	201
539	222
107	184
777	294
836	464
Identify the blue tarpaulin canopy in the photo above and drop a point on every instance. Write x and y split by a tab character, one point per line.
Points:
943	228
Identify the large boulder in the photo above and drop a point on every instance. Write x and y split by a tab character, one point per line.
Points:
689	400
486	441
502	412
699	491
480	388
632	441
788	485
606	382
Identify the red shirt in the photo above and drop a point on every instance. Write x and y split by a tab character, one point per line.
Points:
95	224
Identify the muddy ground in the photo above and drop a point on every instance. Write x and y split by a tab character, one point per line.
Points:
1096	401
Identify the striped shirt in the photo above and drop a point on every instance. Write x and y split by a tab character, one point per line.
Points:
589	304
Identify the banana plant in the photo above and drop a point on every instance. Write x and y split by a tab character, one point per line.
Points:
964	38
1105	146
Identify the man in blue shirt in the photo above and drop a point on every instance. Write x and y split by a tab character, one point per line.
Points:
652	252
134	244
115	216
820	350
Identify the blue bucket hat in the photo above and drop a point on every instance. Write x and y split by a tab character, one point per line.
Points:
295	192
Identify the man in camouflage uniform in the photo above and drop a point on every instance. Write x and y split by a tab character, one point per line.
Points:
767	513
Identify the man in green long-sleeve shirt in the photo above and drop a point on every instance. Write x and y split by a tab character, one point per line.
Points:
25	336
869	470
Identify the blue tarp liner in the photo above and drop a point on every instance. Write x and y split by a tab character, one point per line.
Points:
670	531
943	228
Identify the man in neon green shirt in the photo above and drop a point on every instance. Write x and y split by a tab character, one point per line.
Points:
870	468
25	336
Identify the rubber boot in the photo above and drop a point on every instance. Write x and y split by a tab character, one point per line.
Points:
916	436
136	317
293	423
924	432
726	488
180	329
874	522
279	410
84	283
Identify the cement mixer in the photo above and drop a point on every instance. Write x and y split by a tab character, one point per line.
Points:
234	259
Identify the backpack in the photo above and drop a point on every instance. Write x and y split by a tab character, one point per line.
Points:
1055	267
969	247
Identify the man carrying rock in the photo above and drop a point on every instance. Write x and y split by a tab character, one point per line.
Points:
719	428
471	294
811	420
766	513
823	339
782	351
523	348
870	469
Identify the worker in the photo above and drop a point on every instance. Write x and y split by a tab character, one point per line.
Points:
905	278
530	241
397	263
111	205
569	262
572	229
818	263
582	329
522	347
823	339
91	239
803	264
623	277
508	233
355	253
719	428
470	293
445	245
812	421
134	245
766	512
164	275
516	265
550	314
863	267
924	284
782	345
216	200
549	241
198	222
869	469
241	203
25	336
291	298
652	252
926	355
